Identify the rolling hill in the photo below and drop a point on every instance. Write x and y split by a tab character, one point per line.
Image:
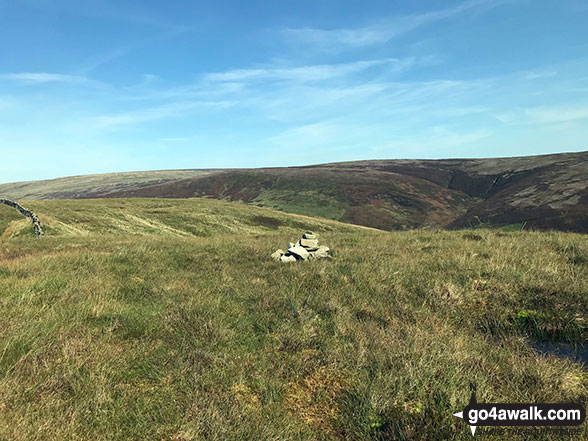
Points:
166	319
165	217
90	186
537	192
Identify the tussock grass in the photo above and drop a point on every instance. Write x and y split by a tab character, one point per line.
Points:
191	332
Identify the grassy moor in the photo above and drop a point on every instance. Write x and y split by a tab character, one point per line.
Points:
165	319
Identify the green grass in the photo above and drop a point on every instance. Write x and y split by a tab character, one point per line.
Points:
308	202
7	216
167	320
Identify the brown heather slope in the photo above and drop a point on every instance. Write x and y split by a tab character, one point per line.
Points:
541	192
372	198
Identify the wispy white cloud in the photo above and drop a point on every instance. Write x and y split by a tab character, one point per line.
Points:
99	60
544	115
42	77
311	73
334	40
149	78
458	112
320	132
299	96
424	145
293	96
175	139
168	110
536	75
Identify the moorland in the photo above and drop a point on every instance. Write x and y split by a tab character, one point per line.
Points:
166	319
548	192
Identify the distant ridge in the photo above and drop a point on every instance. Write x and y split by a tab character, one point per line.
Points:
541	192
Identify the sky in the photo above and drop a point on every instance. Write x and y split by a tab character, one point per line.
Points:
105	86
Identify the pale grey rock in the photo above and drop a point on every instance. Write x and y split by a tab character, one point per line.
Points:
310	244
309	235
278	254
288	258
300	252
322	252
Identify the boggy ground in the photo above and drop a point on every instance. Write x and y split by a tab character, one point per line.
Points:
108	334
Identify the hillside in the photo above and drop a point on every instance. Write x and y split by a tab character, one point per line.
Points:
93	186
544	192
539	192
165	217
166	319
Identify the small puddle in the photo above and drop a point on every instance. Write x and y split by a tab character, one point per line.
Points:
576	352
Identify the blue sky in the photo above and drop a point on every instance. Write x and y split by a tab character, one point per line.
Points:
101	86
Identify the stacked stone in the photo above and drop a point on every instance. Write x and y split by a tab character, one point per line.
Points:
306	248
28	213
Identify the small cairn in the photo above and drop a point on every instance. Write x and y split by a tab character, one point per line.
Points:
306	248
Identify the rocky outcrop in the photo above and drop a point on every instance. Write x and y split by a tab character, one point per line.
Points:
306	248
28	213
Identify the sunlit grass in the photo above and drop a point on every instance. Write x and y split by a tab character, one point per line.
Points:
192	332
